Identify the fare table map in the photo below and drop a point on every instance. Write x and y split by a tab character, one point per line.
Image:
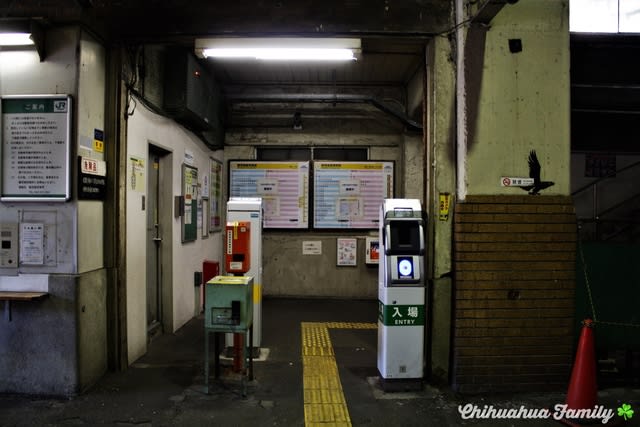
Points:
283	187
349	194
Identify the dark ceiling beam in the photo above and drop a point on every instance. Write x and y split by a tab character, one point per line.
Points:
488	10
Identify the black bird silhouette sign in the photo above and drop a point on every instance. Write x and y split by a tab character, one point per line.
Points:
534	172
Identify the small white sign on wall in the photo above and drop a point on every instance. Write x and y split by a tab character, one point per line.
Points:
312	247
31	243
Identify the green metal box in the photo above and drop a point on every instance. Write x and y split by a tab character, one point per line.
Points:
229	303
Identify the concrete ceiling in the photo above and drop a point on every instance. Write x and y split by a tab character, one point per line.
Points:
393	33
170	19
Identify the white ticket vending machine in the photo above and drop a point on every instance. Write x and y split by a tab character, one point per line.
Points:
250	209
401	295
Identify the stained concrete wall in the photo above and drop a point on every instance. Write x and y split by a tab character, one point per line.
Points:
58	345
519	101
440	163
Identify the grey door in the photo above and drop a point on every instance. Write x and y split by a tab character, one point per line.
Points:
154	244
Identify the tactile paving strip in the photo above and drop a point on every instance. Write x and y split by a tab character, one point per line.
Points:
324	402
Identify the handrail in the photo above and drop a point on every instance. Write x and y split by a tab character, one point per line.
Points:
612	174
617	205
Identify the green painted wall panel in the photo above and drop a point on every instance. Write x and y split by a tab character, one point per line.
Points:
612	272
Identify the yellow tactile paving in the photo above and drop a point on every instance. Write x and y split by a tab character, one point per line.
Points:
323	396
314	382
350	325
324	402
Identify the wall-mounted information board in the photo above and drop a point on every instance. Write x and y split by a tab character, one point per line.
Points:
215	195
36	134
190	194
283	187
349	194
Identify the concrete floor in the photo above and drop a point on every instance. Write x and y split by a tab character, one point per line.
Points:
166	386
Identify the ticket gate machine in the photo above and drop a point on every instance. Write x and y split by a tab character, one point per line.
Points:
401	295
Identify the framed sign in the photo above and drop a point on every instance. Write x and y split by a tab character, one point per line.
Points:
190	195
283	187
349	194
215	196
205	215
36	135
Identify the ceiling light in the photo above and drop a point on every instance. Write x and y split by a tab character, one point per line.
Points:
15	39
22	33
280	49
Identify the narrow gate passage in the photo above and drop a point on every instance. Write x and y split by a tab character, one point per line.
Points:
324	402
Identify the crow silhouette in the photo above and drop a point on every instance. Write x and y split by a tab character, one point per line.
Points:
534	172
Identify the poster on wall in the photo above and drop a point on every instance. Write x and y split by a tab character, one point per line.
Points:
283	187
137	174
215	195
347	251
349	194
36	135
190	197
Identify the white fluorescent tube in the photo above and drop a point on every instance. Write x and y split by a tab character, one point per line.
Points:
282	54
280	49
15	39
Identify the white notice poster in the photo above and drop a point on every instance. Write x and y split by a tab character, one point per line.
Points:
31	243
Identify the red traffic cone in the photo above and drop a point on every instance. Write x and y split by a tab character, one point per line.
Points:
582	393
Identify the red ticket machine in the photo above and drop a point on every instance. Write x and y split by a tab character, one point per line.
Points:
238	247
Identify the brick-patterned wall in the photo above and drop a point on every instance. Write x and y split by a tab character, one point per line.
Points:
514	293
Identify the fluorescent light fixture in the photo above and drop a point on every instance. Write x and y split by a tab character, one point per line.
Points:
21	33
280	48
15	39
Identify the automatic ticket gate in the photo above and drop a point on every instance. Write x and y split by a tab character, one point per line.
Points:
401	295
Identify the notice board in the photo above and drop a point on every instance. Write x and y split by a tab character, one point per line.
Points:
215	195
349	194
283	187
36	134
190	197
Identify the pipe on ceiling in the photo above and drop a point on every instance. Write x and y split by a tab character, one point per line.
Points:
329	98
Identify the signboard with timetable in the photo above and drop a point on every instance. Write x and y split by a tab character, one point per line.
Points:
36	133
283	187
349	194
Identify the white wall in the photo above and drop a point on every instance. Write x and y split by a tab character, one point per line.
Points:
22	73
68	329
144	128
90	116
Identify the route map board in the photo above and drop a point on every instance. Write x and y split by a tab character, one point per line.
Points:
349	194
283	187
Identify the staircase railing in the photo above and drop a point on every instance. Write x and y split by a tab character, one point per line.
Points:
596	217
